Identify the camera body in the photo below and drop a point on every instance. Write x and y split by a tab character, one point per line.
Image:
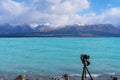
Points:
84	59
84	56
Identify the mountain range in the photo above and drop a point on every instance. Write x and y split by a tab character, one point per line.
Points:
47	30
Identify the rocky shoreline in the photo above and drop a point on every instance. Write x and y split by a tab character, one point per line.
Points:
63	77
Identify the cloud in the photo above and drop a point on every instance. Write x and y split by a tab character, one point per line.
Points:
41	11
110	16
12	7
57	12
10	10
60	6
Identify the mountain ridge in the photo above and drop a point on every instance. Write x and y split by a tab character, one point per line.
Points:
75	30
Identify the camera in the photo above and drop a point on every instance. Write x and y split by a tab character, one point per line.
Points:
84	56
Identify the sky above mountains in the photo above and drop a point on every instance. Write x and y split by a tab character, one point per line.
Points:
60	12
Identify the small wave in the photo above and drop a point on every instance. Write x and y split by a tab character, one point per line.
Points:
93	75
75	74
111	73
79	75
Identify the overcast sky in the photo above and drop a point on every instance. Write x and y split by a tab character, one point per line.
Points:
60	12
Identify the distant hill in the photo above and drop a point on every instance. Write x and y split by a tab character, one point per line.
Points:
76	30
104	30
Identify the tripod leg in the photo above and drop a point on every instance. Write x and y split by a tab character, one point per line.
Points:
83	73
89	73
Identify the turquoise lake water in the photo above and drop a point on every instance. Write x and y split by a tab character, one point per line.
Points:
57	56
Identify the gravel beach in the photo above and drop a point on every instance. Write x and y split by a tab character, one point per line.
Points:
63	77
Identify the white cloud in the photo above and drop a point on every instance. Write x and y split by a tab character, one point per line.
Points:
110	16
57	12
13	7
43	11
10	10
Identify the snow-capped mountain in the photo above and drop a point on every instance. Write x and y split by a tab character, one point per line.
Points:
75	30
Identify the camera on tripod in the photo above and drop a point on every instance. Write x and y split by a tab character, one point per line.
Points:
85	60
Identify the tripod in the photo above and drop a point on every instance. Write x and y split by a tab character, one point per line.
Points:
85	62
85	69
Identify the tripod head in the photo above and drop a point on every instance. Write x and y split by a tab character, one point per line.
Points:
85	59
